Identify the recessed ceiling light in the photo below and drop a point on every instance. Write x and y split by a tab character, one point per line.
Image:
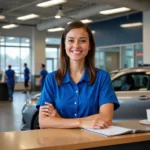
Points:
93	31
9	26
114	11
55	29
51	3
128	25
2	17
86	21
83	21
27	17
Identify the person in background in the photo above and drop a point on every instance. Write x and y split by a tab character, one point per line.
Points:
77	95
43	74
10	80
26	77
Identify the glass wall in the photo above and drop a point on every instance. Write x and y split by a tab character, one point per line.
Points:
108	58
51	58
138	54
52	53
128	56
15	51
118	57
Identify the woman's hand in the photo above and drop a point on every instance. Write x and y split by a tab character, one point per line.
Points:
49	110
94	124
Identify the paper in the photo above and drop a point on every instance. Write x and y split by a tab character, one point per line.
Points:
111	131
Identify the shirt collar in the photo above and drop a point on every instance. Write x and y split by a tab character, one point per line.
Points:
85	77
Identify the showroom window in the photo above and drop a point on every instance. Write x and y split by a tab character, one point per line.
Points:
119	57
15	51
52	53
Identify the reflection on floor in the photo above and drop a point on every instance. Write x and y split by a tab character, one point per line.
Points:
10	112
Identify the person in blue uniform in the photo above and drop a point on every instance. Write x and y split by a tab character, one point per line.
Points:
26	77
43	74
77	95
10	80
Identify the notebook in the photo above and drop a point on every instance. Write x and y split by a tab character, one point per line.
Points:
119	130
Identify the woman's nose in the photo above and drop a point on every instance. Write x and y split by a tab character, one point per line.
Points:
76	44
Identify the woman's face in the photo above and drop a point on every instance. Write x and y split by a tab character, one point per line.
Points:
77	44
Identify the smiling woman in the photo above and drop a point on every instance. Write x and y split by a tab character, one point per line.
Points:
77	95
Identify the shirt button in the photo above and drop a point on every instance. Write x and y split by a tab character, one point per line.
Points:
75	103
75	114
76	91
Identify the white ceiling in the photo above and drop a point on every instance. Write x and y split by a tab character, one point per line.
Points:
77	9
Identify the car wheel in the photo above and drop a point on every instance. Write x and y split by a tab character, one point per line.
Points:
35	121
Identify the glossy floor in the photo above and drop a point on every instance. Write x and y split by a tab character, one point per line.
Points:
10	112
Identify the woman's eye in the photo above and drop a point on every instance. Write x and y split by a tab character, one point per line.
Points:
82	41
70	41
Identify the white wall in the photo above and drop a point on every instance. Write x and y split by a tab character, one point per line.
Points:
146	37
38	50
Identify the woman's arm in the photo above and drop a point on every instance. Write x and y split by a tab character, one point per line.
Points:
101	120
49	118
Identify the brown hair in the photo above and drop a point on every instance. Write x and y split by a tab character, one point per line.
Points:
64	59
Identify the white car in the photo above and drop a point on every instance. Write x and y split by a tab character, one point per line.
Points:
132	87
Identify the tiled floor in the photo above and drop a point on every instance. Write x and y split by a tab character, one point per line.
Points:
10	112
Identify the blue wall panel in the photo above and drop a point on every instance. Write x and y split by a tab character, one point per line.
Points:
110	33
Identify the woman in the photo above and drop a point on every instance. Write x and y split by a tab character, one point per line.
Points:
77	95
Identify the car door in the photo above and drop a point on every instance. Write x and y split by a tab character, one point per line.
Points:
133	101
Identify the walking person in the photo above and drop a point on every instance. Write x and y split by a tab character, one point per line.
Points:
77	95
43	74
10	80
26	77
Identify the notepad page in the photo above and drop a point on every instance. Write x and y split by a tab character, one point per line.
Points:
111	131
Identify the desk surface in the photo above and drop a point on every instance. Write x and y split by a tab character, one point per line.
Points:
67	139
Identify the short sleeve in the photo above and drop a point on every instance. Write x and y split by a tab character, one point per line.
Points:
47	94
107	94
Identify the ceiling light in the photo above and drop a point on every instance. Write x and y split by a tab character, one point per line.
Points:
128	25
93	31
59	13
113	11
86	21
51	3
55	29
9	26
83	21
2	17
27	17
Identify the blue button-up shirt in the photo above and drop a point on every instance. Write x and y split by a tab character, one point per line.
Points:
78	100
